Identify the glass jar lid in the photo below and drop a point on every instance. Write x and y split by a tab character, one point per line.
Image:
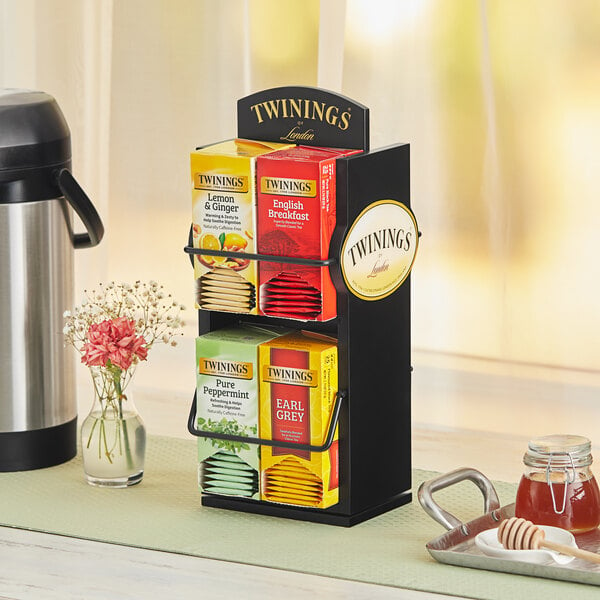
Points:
558	452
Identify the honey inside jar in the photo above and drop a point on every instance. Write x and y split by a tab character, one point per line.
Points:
558	487
581	508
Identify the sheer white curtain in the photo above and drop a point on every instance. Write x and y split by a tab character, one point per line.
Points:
64	48
498	98
500	102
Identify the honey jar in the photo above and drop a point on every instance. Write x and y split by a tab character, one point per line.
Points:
557	487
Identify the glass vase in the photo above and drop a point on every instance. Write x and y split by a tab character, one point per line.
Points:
113	435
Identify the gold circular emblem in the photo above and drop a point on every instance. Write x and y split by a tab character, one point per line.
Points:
379	250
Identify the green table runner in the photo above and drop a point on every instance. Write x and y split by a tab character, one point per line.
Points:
164	513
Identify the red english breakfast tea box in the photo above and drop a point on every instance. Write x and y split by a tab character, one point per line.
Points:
296	192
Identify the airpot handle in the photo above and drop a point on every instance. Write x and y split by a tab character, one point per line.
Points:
84	208
449	521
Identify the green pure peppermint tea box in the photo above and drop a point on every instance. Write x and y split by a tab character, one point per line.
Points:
227	402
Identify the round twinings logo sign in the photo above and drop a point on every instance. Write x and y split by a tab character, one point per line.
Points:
379	250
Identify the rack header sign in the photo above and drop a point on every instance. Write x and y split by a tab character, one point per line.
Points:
304	115
379	250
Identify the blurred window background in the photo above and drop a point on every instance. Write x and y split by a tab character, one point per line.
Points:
499	99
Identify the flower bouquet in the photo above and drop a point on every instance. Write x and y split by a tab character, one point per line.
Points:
114	329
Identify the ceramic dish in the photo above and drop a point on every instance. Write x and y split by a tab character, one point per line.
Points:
487	542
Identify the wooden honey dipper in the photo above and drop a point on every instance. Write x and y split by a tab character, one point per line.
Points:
519	534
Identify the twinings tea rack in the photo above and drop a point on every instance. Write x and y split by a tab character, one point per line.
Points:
371	254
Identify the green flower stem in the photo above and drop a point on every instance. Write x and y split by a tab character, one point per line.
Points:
117	372
103	433
91	432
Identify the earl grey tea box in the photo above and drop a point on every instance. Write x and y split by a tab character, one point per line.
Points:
227	402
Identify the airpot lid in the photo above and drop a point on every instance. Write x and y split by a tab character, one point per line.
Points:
33	131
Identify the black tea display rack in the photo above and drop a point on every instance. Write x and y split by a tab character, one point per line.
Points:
372	407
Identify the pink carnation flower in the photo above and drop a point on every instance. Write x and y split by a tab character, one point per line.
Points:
115	341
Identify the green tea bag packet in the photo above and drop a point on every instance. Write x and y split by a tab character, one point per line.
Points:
227	403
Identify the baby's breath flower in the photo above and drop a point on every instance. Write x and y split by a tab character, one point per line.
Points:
156	317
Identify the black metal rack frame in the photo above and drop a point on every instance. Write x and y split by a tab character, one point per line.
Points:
374	370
